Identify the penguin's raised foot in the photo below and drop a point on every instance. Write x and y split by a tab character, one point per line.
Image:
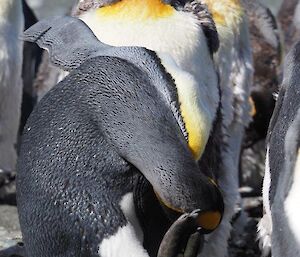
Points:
182	238
17	250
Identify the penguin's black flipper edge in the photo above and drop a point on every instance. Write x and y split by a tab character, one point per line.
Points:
68	40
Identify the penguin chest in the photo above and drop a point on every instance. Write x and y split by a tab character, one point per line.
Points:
128	239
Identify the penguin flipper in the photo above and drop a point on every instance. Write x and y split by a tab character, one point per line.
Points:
67	39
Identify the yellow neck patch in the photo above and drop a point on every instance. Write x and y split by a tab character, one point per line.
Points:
225	12
137	10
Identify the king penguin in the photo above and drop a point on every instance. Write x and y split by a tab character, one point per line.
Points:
11	28
114	118
279	229
185	31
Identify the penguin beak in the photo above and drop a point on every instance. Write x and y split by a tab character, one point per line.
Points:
208	221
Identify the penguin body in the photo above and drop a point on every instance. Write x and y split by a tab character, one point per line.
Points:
11	27
111	120
279	228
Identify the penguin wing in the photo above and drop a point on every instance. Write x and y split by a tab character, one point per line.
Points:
68	40
264	21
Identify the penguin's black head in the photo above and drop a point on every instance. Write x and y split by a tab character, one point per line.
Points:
204	195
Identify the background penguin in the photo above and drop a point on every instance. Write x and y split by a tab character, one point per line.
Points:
80	157
267	55
11	27
279	227
274	6
234	61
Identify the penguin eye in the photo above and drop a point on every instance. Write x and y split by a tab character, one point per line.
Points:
209	220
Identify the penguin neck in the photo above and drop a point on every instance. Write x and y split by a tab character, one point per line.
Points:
10	11
182	47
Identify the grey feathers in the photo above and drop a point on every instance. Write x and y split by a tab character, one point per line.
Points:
64	51
264	21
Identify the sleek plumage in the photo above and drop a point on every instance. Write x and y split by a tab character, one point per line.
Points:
11	27
114	118
279	228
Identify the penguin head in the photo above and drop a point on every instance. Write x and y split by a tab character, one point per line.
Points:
208	219
203	195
